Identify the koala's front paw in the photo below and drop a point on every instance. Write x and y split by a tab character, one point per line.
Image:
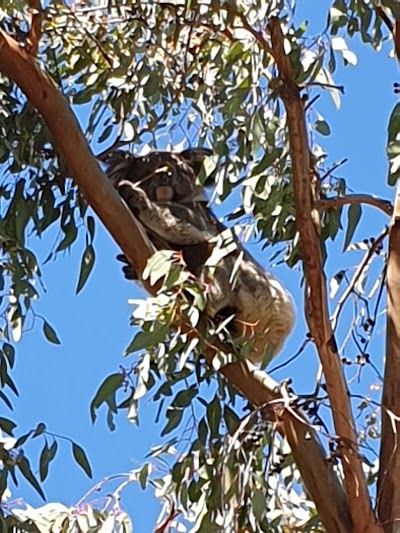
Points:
127	269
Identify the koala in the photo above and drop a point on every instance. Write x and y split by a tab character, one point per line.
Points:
159	178
235	283
163	176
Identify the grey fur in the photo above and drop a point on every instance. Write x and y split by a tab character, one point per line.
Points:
236	283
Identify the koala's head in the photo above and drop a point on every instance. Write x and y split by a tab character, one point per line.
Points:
164	176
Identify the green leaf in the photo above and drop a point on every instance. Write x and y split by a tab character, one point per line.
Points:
40	429
50	333
6	400
323	127
106	390
9	351
266	161
47	455
158	266
393	145
105	135
353	215
147	339
214	416
174	417
21	441
258	500
394	123
91	227
3	483
232	420
143	475
235	51
81	459
185	397
71	234
88	259
25	469
7	425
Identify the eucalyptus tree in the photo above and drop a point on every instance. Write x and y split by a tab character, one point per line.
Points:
243	79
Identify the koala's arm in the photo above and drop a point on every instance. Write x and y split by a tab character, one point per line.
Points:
176	223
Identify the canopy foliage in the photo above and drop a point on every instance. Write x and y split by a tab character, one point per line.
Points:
244	79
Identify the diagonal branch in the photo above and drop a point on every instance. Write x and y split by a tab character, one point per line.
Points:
316	300
317	472
98	191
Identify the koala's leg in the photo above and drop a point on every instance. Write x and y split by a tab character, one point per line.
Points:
175	223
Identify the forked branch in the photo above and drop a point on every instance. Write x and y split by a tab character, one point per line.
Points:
316	299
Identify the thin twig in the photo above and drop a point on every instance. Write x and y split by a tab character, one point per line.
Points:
356	277
339	88
333	168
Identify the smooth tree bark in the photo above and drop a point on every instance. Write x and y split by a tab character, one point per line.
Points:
307	221
388	500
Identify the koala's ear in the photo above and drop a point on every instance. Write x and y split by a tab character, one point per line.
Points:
120	166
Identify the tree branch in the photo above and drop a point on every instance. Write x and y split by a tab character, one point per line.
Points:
340	201
316	299
388	501
317	472
35	30
98	191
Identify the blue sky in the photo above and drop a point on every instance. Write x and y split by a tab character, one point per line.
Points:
57	383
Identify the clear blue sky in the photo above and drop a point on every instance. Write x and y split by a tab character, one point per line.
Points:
57	383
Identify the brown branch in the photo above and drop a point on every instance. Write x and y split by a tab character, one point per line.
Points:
388	501
35	30
317	472
316	298
339	88
381	13
393	28
340	201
